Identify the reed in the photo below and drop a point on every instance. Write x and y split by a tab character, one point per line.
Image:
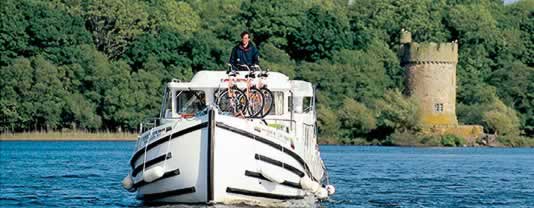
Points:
68	136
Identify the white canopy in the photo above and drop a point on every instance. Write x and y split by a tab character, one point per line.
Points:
215	79
301	88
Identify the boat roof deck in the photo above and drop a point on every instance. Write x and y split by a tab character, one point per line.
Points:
217	79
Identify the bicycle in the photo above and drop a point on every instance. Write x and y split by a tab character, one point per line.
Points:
233	100
254	95
259	99
268	96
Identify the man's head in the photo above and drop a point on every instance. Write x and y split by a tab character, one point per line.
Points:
245	38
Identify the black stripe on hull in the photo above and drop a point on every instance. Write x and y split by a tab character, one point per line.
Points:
270	143
165	139
261	194
160	195
211	154
260	176
151	163
279	164
166	175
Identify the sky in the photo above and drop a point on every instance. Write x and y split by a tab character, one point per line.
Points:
509	1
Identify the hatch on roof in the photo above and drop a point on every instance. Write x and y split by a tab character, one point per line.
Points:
301	88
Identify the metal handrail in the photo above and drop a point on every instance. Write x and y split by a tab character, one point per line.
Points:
291	122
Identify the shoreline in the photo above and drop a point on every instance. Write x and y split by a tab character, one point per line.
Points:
108	136
68	136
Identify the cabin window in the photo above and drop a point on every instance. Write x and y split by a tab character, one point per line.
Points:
190	102
167	104
309	131
300	104
278	105
307	104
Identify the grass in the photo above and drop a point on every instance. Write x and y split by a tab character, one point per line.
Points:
410	139
68	136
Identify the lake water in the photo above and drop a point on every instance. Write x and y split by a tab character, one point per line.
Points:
88	174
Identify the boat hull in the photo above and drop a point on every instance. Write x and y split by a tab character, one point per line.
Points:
216	160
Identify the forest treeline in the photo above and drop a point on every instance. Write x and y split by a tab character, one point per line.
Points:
100	65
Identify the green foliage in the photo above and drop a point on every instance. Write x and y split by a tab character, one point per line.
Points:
356	119
516	141
15	95
327	123
352	73
114	24
99	64
452	141
403	138
278	60
474	27
80	113
515	87
46	94
174	15
272	21
495	116
397	112
320	33
501	119
166	46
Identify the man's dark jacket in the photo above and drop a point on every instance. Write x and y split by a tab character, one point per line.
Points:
241	55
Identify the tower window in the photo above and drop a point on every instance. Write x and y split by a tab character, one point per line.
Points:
438	107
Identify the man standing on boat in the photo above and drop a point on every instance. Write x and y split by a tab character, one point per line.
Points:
244	53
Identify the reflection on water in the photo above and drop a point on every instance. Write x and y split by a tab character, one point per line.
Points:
70	174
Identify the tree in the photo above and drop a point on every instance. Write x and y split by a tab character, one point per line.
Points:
327	122
320	34
80	113
501	119
397	112
356	119
46	95
114	24
272	21
207	52
275	59
515	86
13	36
174	15
15	95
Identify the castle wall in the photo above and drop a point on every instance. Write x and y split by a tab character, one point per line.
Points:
431	79
434	87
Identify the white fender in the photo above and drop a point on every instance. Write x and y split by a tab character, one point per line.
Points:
316	187
271	174
153	174
322	193
127	183
306	183
331	189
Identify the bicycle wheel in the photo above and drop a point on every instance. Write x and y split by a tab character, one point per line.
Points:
255	102
236	103
268	99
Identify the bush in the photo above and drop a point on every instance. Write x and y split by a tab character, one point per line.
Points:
501	119
516	141
404	138
431	141
452	141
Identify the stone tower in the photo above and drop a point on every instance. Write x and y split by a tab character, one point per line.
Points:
431	79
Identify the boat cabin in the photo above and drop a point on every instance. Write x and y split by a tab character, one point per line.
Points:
294	103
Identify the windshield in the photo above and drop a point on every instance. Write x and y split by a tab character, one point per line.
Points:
190	102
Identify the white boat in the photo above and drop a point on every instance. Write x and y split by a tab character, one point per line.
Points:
194	153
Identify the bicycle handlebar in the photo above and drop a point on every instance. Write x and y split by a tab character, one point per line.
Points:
249	68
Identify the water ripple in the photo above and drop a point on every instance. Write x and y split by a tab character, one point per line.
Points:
88	174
